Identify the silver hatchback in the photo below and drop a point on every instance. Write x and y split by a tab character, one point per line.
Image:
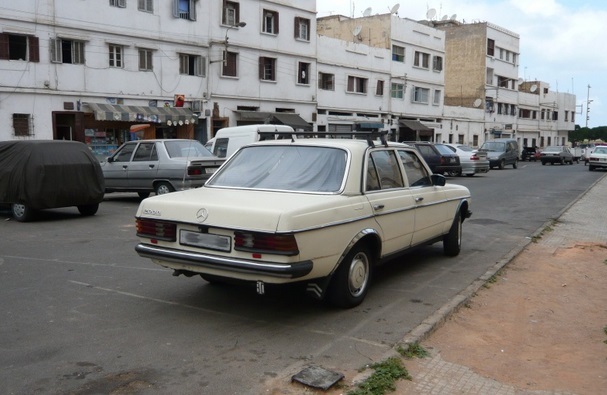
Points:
159	166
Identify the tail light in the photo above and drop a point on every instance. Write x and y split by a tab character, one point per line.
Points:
195	171
474	157
156	230
265	243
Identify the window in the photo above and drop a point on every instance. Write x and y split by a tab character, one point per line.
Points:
379	89
145	5
303	73
397	91
326	81
417	176
146	152
19	47
437	63
116	52
67	51
184	9
270	22
118	3
231	13
145	59
22	124
383	171
302	29
420	95
230	60
398	53
421	60
267	69
192	65
490	47
357	84
437	97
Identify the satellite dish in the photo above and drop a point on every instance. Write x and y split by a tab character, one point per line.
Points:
445	17
533	88
431	13
357	30
453	17
367	12
394	9
477	102
520	81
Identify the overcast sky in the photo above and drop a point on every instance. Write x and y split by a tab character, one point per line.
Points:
562	42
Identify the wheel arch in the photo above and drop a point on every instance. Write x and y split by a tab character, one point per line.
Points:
370	238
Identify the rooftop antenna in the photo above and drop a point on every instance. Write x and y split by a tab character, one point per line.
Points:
430	13
394	9
367	11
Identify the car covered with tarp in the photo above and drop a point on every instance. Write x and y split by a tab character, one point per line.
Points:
45	174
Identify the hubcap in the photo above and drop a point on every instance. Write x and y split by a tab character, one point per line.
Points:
18	210
359	274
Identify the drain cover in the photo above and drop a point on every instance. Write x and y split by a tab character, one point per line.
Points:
317	377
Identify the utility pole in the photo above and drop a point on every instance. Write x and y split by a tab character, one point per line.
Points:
588	101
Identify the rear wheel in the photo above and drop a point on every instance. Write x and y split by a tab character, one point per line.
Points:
590	168
143	195
352	279
164	187
452	242
515	164
502	164
21	212
88	209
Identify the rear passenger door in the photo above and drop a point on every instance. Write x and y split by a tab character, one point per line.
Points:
143	167
391	202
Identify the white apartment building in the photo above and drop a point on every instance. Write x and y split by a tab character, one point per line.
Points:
387	70
91	70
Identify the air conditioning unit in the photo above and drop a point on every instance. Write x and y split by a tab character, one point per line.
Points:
196	105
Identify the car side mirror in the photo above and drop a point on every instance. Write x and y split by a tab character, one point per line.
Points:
438	180
109	159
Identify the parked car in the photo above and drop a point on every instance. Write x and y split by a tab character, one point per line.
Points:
440	158
530	154
556	154
501	152
44	174
320	212
598	158
159	166
472	162
228	140
586	150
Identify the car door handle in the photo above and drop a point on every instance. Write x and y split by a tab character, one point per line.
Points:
418	199
124	167
378	207
151	166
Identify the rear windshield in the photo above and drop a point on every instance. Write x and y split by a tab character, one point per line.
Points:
444	150
284	168
494	146
186	149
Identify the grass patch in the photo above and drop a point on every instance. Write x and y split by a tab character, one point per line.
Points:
413	350
549	228
491	280
605	330
383	378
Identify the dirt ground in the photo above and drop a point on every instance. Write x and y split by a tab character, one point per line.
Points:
540	326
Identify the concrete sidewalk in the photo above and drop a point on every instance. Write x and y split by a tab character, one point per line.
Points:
585	220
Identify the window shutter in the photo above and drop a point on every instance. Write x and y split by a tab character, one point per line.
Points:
192	10
350	84
261	68
175	8
4	46
34	49
276	23
55	48
296	26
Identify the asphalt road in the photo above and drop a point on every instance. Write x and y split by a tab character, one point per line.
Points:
83	314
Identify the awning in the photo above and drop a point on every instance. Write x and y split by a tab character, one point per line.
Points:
414	125
164	115
369	125
283	118
293	120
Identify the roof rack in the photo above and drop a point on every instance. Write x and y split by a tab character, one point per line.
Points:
356	134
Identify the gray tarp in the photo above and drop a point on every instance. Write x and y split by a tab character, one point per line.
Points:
49	173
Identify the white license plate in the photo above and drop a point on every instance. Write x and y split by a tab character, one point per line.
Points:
210	170
205	240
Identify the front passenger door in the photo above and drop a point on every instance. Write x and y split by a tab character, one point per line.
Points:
143	167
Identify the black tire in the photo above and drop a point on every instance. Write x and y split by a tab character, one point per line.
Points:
143	195
562	161
88	209
22	212
470	175
164	187
543	163
351	281
590	168
452	241
502	164
515	164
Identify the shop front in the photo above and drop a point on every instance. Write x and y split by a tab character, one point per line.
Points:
107	126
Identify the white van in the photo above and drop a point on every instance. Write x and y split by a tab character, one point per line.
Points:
228	140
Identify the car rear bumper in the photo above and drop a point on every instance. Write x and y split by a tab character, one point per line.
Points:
175	259
475	168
